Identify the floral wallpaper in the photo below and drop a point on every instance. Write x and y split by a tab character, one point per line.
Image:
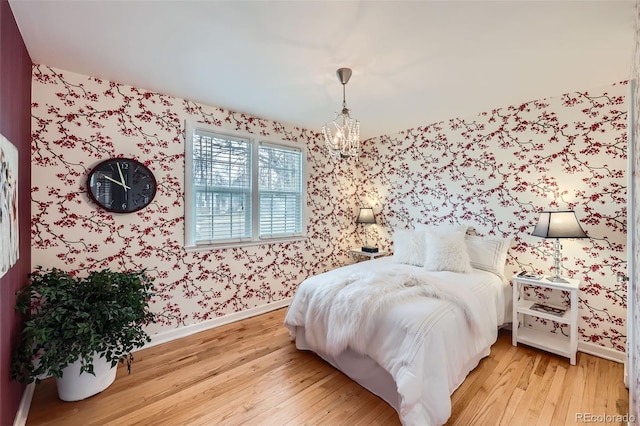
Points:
497	170
494	172
79	121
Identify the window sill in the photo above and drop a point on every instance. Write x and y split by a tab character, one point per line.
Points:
211	247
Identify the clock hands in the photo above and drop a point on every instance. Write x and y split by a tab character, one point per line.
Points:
122	178
119	183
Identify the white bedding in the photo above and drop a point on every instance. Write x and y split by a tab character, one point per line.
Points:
426	345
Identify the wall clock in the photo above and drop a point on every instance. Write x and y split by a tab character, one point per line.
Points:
121	185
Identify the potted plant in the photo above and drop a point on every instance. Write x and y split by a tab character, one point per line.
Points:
83	324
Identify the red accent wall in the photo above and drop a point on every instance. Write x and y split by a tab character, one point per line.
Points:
15	125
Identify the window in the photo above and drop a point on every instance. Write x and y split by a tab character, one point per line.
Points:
280	189
241	190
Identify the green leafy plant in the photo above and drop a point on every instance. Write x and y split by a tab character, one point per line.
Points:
71	318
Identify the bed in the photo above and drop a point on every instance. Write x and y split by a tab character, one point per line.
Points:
404	331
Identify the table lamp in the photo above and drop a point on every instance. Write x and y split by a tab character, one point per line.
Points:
558	224
366	216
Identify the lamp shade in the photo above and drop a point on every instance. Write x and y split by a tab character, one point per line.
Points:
366	215
558	224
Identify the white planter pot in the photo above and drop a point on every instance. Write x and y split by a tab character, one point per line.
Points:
73	386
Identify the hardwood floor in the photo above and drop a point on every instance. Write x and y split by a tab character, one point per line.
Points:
249	373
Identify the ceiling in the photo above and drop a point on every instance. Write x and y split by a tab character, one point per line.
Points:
414	62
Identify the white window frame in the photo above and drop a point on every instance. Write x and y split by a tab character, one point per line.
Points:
190	243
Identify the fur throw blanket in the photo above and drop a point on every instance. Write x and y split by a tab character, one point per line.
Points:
344	311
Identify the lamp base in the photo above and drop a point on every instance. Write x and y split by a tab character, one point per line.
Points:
557	279
369	249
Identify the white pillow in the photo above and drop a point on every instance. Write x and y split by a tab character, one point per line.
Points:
446	253
488	253
408	247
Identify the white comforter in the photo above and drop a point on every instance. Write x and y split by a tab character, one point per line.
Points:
427	329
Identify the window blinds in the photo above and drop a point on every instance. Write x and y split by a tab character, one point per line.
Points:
222	187
243	191
280	191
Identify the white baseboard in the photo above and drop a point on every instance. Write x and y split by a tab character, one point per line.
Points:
169	335
602	352
626	375
25	405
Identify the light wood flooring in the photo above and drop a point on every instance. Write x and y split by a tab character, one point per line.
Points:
249	373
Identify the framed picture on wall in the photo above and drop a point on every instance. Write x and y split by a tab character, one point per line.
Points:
9	244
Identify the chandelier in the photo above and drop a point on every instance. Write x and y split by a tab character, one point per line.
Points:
342	135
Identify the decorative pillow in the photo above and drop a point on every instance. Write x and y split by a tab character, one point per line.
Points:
446	252
408	247
488	253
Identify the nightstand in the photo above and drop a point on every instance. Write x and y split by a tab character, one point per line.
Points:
355	253
558	344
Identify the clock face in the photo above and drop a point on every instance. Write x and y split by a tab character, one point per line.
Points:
121	185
